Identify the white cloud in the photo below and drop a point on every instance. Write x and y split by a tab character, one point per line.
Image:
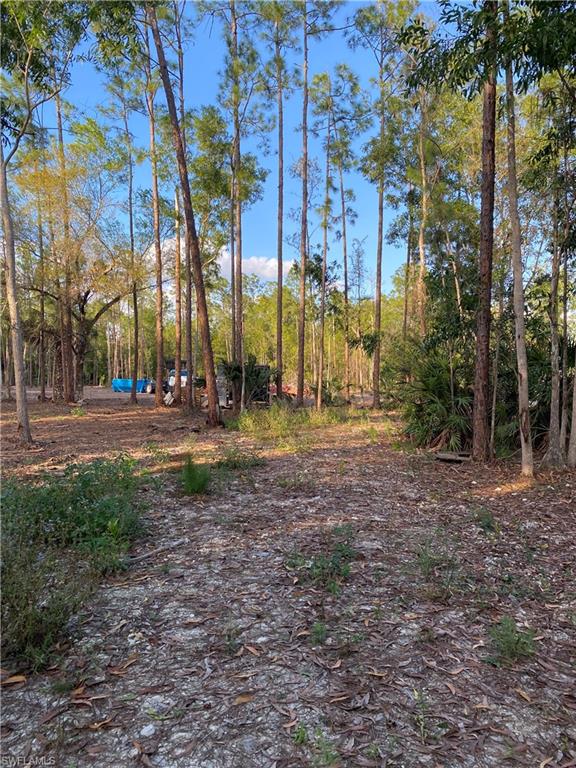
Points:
265	267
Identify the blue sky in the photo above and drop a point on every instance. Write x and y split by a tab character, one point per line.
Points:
204	61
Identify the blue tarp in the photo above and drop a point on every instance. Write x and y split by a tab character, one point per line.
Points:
125	385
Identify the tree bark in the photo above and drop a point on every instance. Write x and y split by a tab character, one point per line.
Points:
346	298
554	455
42	341
280	219
196	262
150	93
421	286
565	388
408	263
134	384
304	218
22	419
190	364
237	198
379	244
520	333
67	324
480	412
571	459
320	381
178	307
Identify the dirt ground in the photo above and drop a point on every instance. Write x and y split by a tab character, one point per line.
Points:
105	423
218	651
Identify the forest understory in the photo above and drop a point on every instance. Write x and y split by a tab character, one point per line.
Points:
343	600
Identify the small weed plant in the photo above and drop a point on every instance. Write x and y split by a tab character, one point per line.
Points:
486	521
510	643
330	567
78	411
300	735
195	477
430	561
325	755
318	633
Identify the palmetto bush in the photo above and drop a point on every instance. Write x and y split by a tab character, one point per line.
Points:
433	394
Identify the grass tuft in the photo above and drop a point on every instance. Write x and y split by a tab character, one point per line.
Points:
511	643
195	477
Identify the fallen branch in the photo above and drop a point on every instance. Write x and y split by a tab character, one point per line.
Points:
163	548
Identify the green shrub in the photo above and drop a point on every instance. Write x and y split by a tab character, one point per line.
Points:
509	642
195	477
59	534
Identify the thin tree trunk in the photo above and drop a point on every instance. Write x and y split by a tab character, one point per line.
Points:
496	368
22	420
421	286
280	219
68	331
150	94
42	344
571	459
520	333
304	218
408	260
178	307
379	244
565	388
480	413
554	455
190	364
320	383
134	384
346	298
109	355
196	262
237	198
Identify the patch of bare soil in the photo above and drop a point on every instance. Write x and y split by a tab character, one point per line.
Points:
106	423
226	651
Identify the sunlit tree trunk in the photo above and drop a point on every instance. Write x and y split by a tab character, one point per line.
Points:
304	217
42	343
188	341
150	94
237	198
346	296
22	419
280	214
407	280
177	306
420	284
520	333
196	262
67	327
480	413
320	382
134	372
379	245
554	455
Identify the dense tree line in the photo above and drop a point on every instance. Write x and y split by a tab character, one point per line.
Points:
466	130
